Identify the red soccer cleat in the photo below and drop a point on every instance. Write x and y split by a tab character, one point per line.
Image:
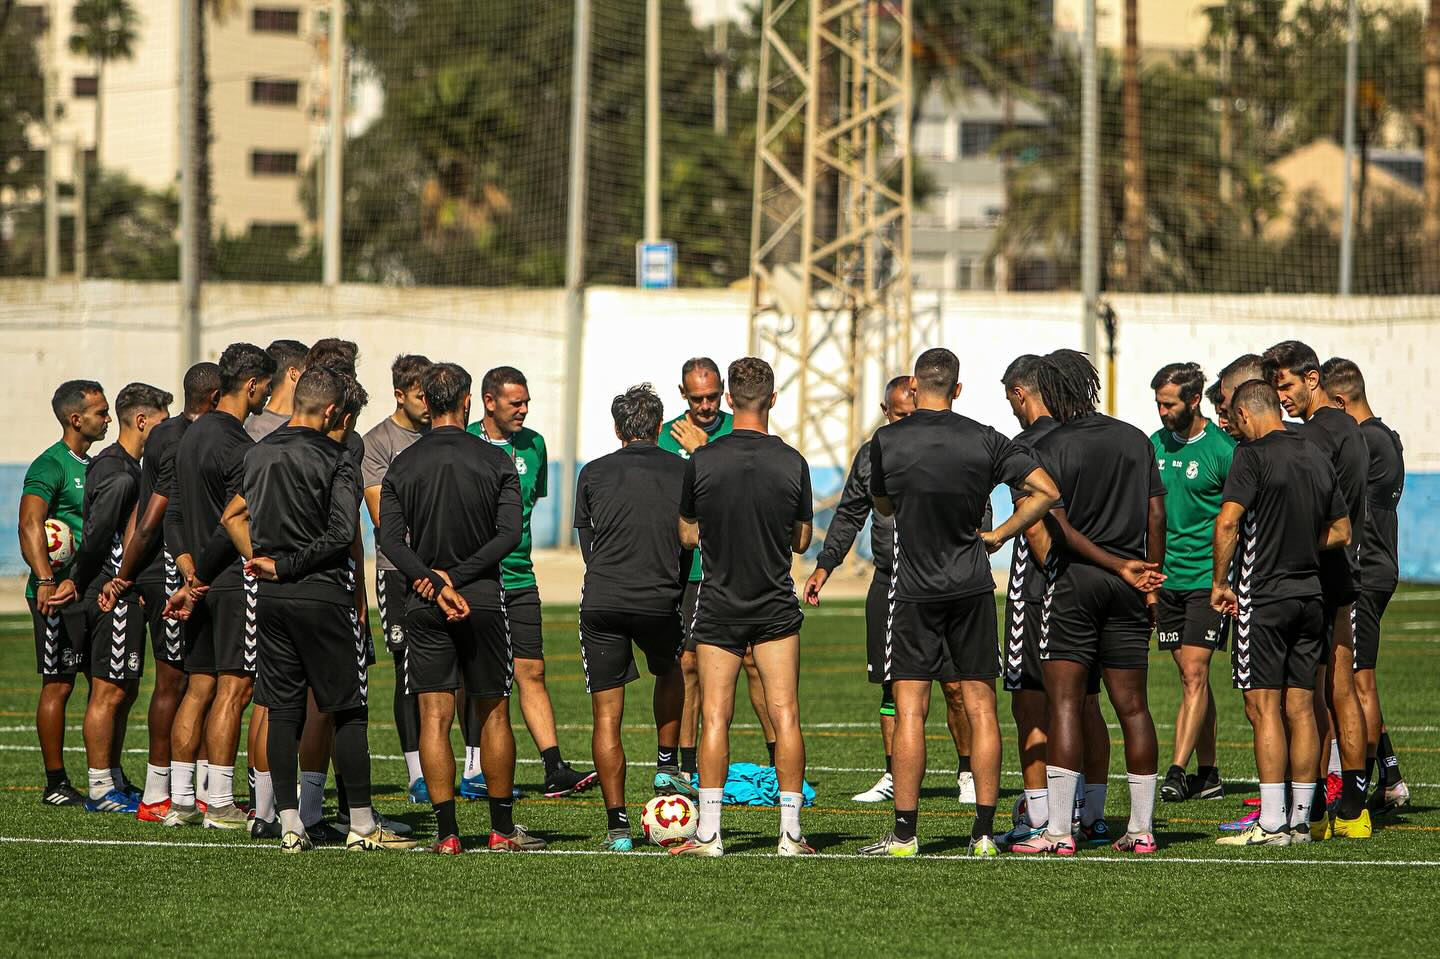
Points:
153	812
1334	786
449	846
1253	802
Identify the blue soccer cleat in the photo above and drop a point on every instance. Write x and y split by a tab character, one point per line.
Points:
113	801
473	787
419	792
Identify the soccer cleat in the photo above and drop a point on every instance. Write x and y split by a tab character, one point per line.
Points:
793	846
401	829
63	795
381	838
1141	844
708	848
473	787
325	834
1205	788
669	782
563	781
618	840
264	828
1321	829
965	784
1241	824
229	816
183	816
1020	832
113	801
1252	803
293	842
1097	833
1397	797
1300	834
982	848
152	811
1257	835
1357	828
882	791
449	846
419	792
130	789
1044	843
517	841
891	845
1175	788
1334	786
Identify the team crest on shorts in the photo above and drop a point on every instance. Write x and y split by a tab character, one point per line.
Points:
70	658
133	662
397	633
1192	470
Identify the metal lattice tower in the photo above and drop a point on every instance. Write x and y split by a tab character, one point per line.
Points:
830	243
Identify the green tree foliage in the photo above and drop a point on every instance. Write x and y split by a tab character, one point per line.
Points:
22	103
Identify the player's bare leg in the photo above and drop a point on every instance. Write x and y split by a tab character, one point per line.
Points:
756	688
1128	696
106	700
719	669
222	743
1349	719
1195	720
690	715
778	663
50	718
1029	708
1096	769
317	741
607	707
984	749
958	723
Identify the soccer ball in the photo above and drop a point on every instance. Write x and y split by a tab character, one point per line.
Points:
60	541
670	820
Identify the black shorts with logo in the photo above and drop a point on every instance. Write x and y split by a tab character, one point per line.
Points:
61	646
390	590
1093	617
167	636
687	613
522	607
1338	589
737	638
221	635
441	656
608	639
1184	618
1021	634
309	644
945	641
1278	644
1365	619
116	638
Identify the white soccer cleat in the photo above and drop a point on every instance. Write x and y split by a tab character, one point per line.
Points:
966	784
882	791
794	846
697	847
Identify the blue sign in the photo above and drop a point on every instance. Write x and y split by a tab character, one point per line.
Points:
655	265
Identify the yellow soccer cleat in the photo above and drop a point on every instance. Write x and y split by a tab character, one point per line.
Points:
381	838
1321	829
1357	828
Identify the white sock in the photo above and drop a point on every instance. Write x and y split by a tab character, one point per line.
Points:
1062	786
100	783
264	793
290	821
1095	803
312	797
412	765
362	820
1301	796
1272	806
1142	804
711	801
1334	769
1037	806
472	761
1077	811
117	776
202	780
157	784
790	804
222	786
182	784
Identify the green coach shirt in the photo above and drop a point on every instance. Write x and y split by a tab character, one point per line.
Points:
1194	474
724	424
58	477
526	449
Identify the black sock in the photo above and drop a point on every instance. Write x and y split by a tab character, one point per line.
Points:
984	821
905	820
342	796
887	762
1207	774
687	759
1389	762
619	818
55	777
1352	793
770	748
1175	772
551	758
352	760
1318	803
502	815
665	756
445	824
1369	772
964	762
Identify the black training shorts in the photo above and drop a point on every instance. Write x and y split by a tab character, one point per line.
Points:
390	590
116	638
738	637
1184	618
943	641
441	656
1093	617
309	644
167	636
522	606
60	641
1278	644
608	639
221	635
1365	618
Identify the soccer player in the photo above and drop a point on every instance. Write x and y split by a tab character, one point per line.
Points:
289	357
625	509
702	388
746	504
149	567
933	472
1193	456
391	437
1281	497
1294	370
506	397
219	629
115	637
1102	550
54	488
449	515
1343	382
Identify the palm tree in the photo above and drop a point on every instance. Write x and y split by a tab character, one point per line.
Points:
1431	228
105	30
1136	232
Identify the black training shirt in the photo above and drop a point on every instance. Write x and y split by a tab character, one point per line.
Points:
157	473
112	486
938	468
747	490
451	502
1340	439
1290	495
1380	549
209	466
856	504
1026	571
629	500
1106	473
303	494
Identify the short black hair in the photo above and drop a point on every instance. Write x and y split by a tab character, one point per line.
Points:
1212	393
406	371
895	383
445	386
288	354
1256	396
1069	385
1342	377
1291	355
70	397
1024	372
331	351
140	396
698	363
1187	376
356	396
201	382
317	388
1249	366
751	383
637	413
938	370
242	361
500	377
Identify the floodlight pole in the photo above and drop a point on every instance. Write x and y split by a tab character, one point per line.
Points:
190	198
575	267
1089	183
1347	215
652	121
52	186
335	153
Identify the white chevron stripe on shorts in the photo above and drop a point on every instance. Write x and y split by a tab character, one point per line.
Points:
360	656
509	649
172	626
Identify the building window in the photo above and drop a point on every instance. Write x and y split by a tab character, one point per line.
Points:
930	139
32	18
86	87
287	234
281	92
275	20
977	138
274	163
